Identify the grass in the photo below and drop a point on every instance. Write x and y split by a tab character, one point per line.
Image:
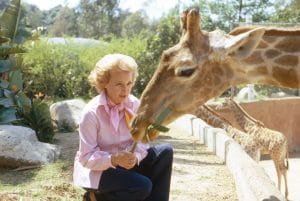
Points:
51	182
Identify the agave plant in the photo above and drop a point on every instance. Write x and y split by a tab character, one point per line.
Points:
11	84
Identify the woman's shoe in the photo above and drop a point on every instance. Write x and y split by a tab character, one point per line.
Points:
89	196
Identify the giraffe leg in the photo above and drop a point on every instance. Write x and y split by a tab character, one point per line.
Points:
277	167
286	186
283	170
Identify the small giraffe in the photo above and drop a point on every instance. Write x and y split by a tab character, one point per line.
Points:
274	142
246	141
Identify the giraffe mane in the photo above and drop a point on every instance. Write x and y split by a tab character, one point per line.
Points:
269	31
246	114
209	109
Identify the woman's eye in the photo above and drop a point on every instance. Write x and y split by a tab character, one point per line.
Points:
186	72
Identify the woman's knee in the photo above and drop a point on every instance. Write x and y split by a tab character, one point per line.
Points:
167	152
143	189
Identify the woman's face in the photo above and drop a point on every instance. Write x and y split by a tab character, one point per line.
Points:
119	86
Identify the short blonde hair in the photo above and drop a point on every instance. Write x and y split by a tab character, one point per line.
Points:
100	75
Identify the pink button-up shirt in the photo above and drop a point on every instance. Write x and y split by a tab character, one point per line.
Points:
99	140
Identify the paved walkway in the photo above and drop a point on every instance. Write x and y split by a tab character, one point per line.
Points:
293	175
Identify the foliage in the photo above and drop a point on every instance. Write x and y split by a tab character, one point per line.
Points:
134	24
287	14
100	17
225	15
55	70
166	35
61	70
65	23
11	85
37	116
64	126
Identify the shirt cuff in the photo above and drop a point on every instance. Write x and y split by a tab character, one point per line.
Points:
110	163
138	157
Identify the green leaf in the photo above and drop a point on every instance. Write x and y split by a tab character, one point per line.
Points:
6	102
4	84
8	93
10	19
5	65
4	39
15	80
7	115
22	100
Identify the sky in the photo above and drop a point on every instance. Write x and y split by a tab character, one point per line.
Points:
153	8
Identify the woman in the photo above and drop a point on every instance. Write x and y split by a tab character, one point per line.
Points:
103	162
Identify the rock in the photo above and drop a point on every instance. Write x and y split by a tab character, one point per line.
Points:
19	146
67	113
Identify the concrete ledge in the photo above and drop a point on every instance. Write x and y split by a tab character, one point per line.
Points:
252	182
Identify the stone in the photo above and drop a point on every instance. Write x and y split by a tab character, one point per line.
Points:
19	147
67	113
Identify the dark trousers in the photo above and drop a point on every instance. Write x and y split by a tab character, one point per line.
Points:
150	181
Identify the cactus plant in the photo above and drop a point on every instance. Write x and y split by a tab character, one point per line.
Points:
11	94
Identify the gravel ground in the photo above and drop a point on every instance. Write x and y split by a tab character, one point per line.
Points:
197	173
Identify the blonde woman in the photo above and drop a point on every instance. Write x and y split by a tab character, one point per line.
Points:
103	162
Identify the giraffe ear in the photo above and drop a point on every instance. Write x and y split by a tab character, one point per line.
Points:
242	45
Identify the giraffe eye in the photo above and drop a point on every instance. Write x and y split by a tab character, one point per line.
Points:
185	72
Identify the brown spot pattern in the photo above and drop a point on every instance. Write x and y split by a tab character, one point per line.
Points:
254	58
269	39
290	44
262	45
287	60
271	53
287	77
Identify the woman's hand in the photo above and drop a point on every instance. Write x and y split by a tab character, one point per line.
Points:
124	159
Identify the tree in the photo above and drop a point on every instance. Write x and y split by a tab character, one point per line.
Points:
134	24
65	23
99	17
289	13
225	15
167	34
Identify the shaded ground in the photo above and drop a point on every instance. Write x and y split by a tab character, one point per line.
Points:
197	174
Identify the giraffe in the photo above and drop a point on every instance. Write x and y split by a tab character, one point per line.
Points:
202	65
246	141
274	142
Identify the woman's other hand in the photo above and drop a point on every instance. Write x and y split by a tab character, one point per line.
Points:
124	159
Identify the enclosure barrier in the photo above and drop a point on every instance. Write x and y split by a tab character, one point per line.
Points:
251	181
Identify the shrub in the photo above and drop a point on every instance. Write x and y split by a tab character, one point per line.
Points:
37	117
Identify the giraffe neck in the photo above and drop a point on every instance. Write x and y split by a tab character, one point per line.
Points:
245	121
208	115
276	61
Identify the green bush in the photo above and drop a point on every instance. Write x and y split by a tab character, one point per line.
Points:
37	117
61	70
55	70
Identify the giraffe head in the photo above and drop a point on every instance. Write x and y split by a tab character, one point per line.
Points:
198	68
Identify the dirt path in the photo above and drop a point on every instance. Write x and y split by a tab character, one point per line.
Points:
197	173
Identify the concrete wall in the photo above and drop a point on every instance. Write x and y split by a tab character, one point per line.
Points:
252	182
278	114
